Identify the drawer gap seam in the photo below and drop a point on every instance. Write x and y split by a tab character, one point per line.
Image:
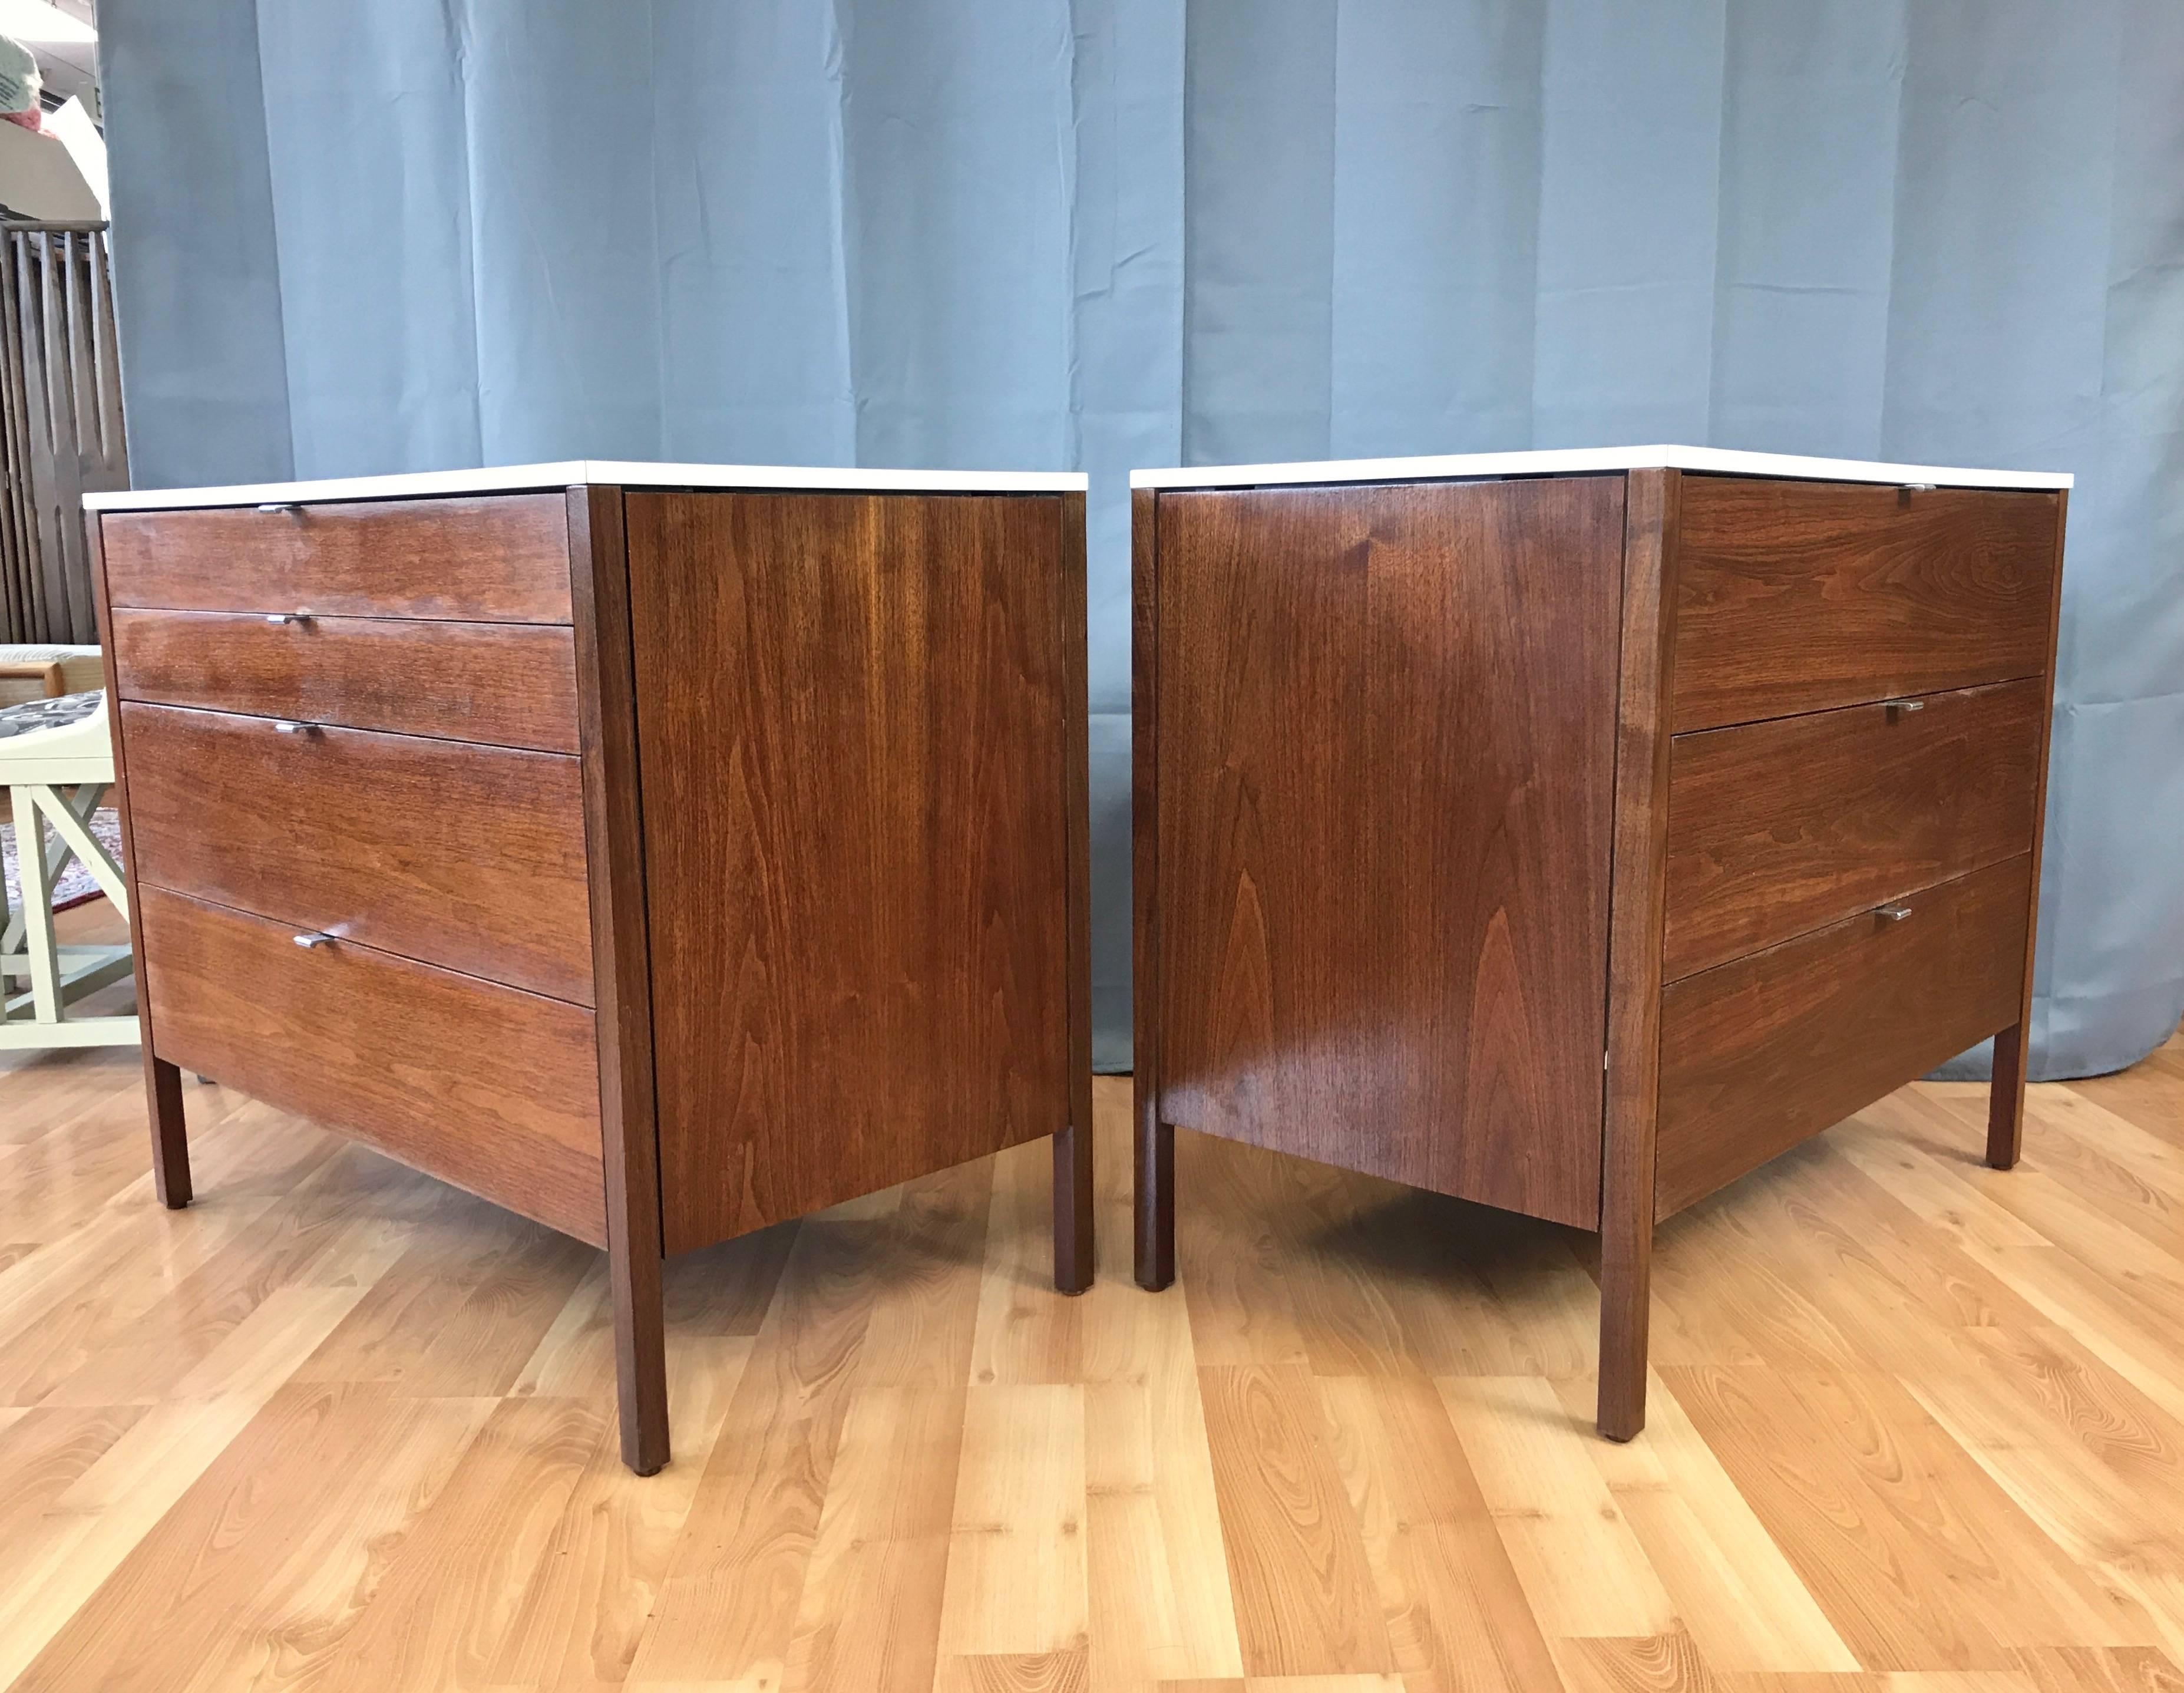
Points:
366	947
348	727
1860	705
1848	917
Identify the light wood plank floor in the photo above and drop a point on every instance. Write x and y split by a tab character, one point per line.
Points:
1916	1426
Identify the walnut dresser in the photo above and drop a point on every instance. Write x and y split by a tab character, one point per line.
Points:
658	850
1575	831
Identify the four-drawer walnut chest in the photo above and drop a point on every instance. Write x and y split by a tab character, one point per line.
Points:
658	850
1575	831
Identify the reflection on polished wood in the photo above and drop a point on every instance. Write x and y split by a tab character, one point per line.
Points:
339	1425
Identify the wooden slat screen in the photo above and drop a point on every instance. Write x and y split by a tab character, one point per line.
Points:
60	423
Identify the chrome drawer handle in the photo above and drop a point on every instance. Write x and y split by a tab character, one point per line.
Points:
287	617
284	727
1919	487
307	942
1892	913
280	505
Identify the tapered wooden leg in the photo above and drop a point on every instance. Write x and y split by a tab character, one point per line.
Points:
2012	1047
2005	1100
1072	1205
1637	921
1626	1275
621	968
1154	1164
171	1144
640	1355
1156	1199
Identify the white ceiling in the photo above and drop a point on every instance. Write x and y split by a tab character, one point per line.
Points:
71	68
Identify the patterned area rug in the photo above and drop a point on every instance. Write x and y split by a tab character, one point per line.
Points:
75	883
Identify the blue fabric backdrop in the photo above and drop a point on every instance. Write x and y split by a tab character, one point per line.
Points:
375	235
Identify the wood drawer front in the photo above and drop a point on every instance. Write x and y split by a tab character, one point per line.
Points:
468	857
1796	597
500	559
512	684
1758	1055
492	1089
1776	828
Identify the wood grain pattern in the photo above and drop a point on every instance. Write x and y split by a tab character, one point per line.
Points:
1758	1054
851	726
728	1604
1411	985
502	558
877	1580
513	685
163	1090
1742	1602
1637	914
1979	1488
492	1089
1796	597
471	858
1582	1568
1454	1607
2012	1047
1305	1604
1776	828
1911	1515
1016	1565
357	1468
621	964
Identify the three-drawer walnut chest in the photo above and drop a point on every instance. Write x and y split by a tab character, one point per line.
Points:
658	851
1574	831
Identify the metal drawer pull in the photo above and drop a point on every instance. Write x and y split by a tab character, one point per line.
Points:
287	728
308	941
1919	487
1893	913
287	617
280	505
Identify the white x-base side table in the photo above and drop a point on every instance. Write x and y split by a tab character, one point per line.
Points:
57	763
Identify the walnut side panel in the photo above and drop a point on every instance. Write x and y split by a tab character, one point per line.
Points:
851	726
1386	755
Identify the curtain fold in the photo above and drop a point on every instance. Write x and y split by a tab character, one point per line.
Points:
1099	233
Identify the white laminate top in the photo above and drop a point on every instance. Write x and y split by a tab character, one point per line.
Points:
510	479
1576	461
